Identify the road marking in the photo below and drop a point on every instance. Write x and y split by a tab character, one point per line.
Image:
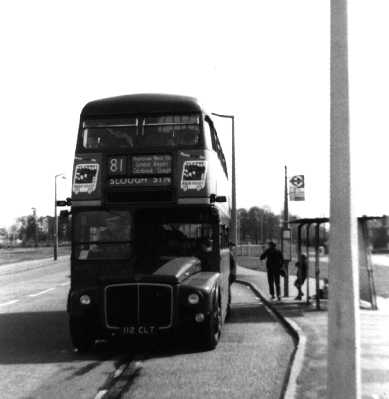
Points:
100	394
119	370
121	377
41	292
9	302
64	284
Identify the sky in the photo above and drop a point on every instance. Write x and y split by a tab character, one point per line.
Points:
265	62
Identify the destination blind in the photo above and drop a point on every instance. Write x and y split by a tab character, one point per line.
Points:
151	164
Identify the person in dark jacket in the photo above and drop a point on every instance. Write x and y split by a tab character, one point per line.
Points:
301	266
274	263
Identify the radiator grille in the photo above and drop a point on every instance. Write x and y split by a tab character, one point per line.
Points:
139	305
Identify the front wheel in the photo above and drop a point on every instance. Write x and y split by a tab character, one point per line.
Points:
213	326
82	338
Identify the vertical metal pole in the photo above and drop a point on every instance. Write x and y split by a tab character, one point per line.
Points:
300	226
317	267
55	220
285	225
344	374
307	248
233	211
299	241
286	210
365	259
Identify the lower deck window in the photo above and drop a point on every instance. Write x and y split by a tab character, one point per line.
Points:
144	239
103	235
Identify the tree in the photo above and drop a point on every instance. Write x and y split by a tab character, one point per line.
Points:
257	224
27	228
242	224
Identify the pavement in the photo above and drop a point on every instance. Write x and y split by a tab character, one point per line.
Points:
26	265
308	374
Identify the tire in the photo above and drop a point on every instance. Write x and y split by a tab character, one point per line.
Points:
80	333
213	326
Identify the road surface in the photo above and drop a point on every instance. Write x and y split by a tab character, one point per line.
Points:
37	360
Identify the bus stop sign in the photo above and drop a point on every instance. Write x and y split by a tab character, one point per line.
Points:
297	181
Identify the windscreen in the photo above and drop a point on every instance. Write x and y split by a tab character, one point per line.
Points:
156	243
184	239
103	235
146	240
166	131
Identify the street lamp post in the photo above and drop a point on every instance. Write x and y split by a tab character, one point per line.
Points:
233	178
344	368
55	216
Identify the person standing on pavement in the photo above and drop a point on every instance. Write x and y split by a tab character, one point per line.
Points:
301	266
274	264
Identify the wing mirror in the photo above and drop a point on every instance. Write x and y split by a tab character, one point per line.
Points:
217	198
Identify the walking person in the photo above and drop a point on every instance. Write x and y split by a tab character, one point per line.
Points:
274	263
301	265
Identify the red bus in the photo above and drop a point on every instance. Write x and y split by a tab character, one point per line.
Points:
150	222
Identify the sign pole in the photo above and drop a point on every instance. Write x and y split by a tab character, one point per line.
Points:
285	227
55	231
343	375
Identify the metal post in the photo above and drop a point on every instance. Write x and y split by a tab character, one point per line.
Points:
55	220
55	232
365	259
285	226
233	210
286	210
317	267
344	373
300	226
299	242
308	225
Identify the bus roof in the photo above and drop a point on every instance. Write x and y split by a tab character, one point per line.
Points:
138	104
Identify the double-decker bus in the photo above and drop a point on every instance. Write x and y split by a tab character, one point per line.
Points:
150	222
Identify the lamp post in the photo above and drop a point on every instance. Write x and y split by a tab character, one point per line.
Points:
285	235
233	210
55	215
344	368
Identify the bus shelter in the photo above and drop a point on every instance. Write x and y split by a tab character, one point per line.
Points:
304	228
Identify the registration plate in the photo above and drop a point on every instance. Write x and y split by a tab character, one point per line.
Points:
139	330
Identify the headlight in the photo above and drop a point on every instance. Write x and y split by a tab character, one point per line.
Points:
194	299
199	317
85	300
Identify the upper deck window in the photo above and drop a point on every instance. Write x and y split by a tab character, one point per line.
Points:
170	131
165	131
109	135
